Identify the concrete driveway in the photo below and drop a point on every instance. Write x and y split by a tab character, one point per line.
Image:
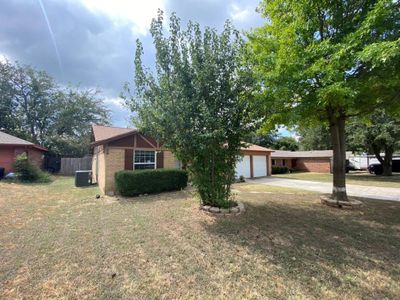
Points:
381	193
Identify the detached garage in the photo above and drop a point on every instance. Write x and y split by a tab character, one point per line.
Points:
255	162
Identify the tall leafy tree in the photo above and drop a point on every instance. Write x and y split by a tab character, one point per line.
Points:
287	143
71	131
314	138
34	107
265	139
325	61
195	102
28	96
379	134
7	105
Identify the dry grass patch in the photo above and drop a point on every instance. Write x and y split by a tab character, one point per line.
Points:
61	242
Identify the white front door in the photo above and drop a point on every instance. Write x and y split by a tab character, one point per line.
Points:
243	167
259	165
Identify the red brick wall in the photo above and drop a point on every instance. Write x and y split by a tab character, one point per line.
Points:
319	165
36	157
8	154
6	157
279	162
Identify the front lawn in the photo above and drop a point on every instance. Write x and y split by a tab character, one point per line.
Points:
359	178
58	241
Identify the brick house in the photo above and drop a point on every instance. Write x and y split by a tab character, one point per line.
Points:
116	149
11	146
319	161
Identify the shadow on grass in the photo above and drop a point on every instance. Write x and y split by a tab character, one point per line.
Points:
159	197
322	248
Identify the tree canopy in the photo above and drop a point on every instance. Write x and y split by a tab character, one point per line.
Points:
195	102
34	107
314	138
325	61
379	134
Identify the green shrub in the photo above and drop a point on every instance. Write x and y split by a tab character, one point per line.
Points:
133	183
280	170
28	172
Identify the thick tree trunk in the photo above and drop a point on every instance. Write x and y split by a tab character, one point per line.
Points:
386	161
337	129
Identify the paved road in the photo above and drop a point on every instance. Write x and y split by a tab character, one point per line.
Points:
381	193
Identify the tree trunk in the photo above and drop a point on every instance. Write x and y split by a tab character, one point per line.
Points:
337	129
387	167
386	162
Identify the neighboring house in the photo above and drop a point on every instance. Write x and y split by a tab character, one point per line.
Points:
255	161
310	161
11	146
116	149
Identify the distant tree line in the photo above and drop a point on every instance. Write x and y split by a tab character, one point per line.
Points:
36	108
376	135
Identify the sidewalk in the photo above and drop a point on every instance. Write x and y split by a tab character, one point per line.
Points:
381	193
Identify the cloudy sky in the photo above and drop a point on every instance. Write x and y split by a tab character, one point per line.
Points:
92	42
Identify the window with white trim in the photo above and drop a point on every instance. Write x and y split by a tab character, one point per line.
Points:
145	160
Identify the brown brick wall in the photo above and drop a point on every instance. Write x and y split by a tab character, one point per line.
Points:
99	159
8	155
319	165
288	162
114	162
170	161
36	156
111	160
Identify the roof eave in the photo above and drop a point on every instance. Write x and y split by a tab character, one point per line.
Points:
120	136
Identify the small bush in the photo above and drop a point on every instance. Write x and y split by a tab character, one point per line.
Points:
28	172
280	170
133	183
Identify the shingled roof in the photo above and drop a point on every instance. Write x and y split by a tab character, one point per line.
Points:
252	147
105	133
8	139
305	154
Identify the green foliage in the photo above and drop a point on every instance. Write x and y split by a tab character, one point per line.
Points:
133	183
380	134
314	138
78	109
272	140
196	103
314	55
35	108
264	139
287	143
279	169
28	172
324	61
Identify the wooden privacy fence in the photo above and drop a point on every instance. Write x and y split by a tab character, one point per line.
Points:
70	164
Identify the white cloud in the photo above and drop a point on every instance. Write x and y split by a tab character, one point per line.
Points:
3	58
239	14
137	12
118	102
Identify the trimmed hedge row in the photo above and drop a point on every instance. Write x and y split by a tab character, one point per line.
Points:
133	183
279	170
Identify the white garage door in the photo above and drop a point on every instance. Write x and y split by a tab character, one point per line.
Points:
259	165
243	167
